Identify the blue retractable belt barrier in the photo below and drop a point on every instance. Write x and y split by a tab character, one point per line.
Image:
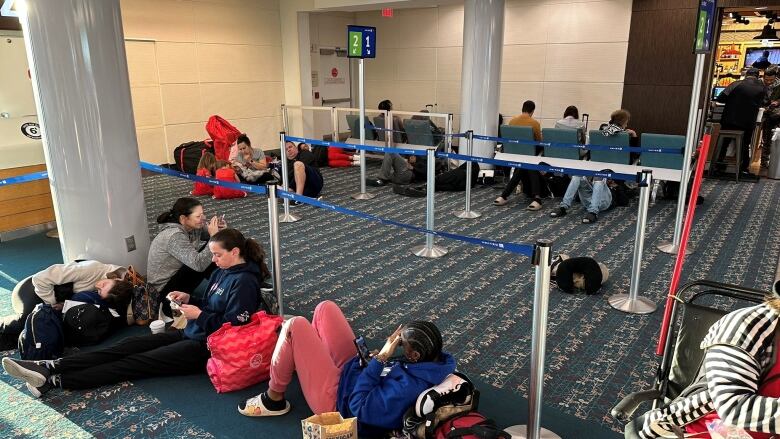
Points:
543	168
24	178
578	146
358	147
211	181
522	249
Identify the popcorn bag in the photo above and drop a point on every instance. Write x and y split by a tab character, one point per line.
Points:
329	426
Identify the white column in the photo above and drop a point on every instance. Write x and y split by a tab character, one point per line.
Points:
76	53
483	44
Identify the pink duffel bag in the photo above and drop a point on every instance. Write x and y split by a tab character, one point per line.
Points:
241	355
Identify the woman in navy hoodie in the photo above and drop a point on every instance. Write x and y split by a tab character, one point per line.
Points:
323	354
233	296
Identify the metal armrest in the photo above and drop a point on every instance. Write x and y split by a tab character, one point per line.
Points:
628	405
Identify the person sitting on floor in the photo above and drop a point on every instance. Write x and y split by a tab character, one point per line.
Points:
395	169
249	163
56	284
323	355
740	352
306	178
232	297
596	195
533	182
225	172
206	168
179	260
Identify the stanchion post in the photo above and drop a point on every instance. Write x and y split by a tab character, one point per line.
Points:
467	213
273	228
534	430
334	119
362	195
429	250
448	131
287	217
285	122
632	303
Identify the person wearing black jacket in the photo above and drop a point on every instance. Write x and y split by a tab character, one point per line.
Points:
233	296
743	99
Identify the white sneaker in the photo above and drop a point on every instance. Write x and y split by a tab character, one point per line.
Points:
254	407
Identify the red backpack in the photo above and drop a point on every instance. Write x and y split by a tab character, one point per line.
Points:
469	425
224	135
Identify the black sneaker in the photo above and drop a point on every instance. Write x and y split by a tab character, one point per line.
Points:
589	218
33	372
376	182
559	212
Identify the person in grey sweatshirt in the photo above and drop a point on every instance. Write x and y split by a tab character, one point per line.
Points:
179	259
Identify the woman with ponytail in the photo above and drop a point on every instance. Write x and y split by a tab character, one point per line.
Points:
178	256
233	295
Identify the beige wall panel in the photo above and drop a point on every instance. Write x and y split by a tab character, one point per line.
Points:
147	106
418	27
230	24
449	63
450	26
181	103
230	100
414	95
387	29
265	63
597	22
212	65
448	96
333	30
377	91
263	131
596	99
262	4
269	100
586	62
141	64
178	134
513	94
177	63
151	145
384	66
418	64
528	24
523	63
161	20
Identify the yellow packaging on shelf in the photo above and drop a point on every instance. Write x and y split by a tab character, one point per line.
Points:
329	426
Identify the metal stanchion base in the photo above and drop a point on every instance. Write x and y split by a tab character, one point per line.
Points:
424	252
640	305
467	214
668	247
521	432
364	196
288	218
53	234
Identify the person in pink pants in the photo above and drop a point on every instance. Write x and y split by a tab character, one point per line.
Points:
332	377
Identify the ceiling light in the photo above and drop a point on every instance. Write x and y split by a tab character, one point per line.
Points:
10	8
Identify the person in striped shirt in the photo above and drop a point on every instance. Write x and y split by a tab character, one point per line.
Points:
739	351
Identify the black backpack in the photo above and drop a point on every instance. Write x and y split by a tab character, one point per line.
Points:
187	155
42	337
87	324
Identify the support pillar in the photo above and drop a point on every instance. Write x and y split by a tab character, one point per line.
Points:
76	53
483	43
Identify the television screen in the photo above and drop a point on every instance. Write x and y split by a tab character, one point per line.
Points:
754	53
716	91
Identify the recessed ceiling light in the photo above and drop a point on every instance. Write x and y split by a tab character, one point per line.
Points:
761	8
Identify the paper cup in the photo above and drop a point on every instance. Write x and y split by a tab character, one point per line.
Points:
157	327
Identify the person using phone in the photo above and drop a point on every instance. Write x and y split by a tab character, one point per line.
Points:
323	354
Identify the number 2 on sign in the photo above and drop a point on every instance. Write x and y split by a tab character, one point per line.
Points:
355	41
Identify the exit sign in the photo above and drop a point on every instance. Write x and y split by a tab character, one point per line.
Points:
361	41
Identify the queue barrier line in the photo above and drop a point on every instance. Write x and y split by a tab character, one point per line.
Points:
578	146
544	168
260	190
522	249
24	178
356	146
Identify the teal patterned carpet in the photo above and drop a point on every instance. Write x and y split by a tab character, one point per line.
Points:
480	298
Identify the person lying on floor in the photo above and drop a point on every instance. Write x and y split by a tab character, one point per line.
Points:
323	354
451	181
304	178
233	295
596	195
58	283
735	383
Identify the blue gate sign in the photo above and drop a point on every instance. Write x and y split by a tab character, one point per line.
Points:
361	41
705	24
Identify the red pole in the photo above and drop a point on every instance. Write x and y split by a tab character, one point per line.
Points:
686	231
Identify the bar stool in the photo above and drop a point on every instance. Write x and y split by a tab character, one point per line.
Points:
736	135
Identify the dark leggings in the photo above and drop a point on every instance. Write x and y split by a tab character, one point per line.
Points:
185	280
533	184
23	301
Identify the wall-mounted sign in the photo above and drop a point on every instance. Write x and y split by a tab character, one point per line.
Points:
361	41
32	130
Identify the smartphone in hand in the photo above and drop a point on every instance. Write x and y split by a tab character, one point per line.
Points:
362	351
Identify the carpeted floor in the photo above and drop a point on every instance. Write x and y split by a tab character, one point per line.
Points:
480	298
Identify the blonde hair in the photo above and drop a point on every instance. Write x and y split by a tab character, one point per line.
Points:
221	164
207	161
620	117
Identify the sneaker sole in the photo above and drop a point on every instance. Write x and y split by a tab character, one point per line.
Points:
34	391
266	412
11	367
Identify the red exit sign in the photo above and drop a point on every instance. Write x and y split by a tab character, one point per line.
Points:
387	12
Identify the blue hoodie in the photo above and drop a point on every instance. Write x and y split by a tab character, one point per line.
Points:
233	296
381	401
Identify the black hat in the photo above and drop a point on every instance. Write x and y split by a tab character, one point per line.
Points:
589	269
